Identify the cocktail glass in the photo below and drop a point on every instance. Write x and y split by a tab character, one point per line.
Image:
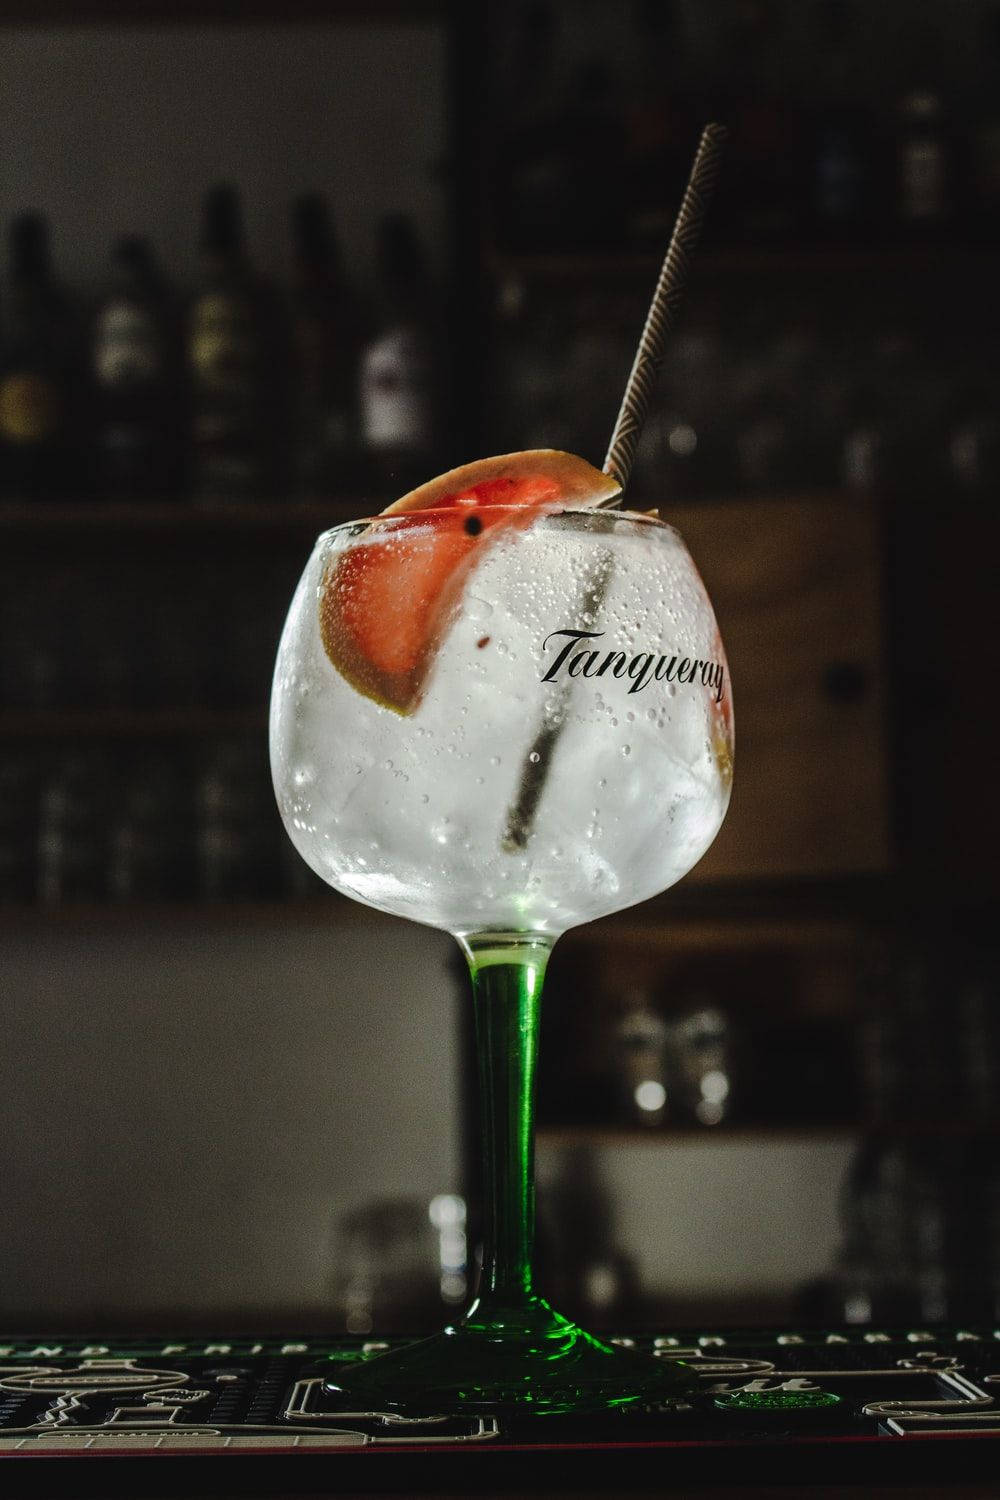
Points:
569	754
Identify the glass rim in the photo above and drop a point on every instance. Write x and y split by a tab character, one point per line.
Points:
584	512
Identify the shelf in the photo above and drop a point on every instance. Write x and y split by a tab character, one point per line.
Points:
803	912
817	260
328	909
126	723
214	12
762	916
281	517
615	1137
182	516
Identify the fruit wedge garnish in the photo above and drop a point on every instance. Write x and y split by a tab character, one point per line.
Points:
386	602
537	476
722	720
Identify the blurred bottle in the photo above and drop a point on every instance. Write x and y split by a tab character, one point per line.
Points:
580	1257
985	142
866	451
640	1062
18	825
591	127
842	134
230	358
977	1025
237	833
73	830
533	188
134	376
532	343
991	1192
401	386
151	850
37	372
386	1268
326	342
33	637
660	131
973	440
765	445
107	651
876	1279
925	185
705	1066
760	196
685	452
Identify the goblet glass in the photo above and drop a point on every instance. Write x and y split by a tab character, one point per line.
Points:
567	752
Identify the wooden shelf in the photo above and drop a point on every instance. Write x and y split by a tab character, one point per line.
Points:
715	916
816	260
126	723
328	909
182	516
616	1137
801	911
214	12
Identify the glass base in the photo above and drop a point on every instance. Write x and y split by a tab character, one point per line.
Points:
529	1360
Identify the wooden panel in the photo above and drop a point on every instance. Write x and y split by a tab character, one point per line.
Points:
796	589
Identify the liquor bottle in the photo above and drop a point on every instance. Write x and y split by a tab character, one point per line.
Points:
73	830
150	856
237	835
532	193
400	385
640	1061
760	197
986	135
973	439
659	128
133	380
233	424
326	341
36	370
18	813
924	185
841	145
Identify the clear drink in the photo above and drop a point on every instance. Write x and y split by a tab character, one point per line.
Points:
570	754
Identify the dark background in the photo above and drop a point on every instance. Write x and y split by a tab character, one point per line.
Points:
233	1099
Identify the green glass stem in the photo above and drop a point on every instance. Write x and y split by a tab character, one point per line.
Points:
511	1351
508	970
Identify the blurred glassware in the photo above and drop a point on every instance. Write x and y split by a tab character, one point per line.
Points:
237	832
19	783
386	1268
973	440
925	184
326	338
107	641
151	843
73	824
39	373
32	640
705	1066
232	369
640	1066
841	167
401	390
580	1255
135	377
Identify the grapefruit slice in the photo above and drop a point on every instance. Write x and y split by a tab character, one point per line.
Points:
537	476
385	603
